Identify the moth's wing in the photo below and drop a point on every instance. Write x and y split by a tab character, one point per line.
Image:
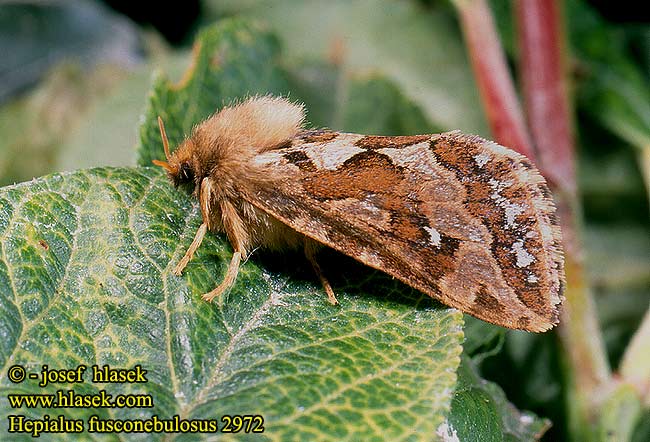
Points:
460	218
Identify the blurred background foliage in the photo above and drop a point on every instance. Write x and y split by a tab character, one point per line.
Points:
74	79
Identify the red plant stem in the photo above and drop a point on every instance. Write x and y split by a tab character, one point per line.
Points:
493	77
545	89
544	82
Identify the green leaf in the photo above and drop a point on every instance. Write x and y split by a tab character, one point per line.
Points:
482	339
620	413
35	36
618	258
109	130
480	412
386	110
85	279
232	60
642	431
419	50
359	103
616	91
34	127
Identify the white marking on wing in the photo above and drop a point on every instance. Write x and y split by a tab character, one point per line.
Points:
434	236
510	208
481	159
333	155
524	258
415	157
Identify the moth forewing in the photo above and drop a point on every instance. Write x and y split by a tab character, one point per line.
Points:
462	219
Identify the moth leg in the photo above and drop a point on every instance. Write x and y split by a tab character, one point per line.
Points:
310	253
198	238
205	196
228	280
234	227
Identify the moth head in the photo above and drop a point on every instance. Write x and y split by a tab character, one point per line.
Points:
179	165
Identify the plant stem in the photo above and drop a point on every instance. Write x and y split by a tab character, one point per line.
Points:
545	88
586	368
644	161
635	365
493	79
619	414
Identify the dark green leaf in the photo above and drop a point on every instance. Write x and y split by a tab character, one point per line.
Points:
365	104
375	105
85	279
642	431
419	50
35	127
615	90
480	412
233	60
35	36
482	339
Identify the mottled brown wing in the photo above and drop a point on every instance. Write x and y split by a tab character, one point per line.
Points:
462	219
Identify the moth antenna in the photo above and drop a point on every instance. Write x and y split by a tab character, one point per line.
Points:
163	134
164	164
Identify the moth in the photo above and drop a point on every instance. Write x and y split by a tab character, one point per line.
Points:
462	219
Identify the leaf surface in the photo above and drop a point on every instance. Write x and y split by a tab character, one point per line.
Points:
481	412
85	279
